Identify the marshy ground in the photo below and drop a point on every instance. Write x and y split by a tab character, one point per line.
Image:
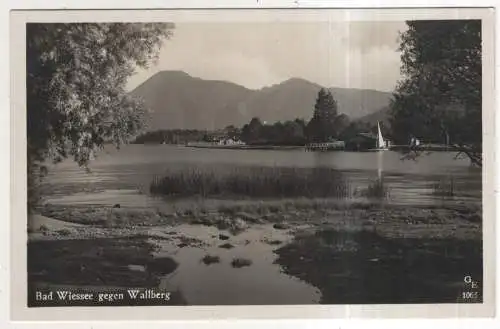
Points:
319	250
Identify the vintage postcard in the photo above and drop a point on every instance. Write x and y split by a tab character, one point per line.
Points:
180	164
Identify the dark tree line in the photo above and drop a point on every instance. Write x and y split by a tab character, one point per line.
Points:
325	125
173	136
279	133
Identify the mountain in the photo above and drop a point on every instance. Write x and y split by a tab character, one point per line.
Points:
178	100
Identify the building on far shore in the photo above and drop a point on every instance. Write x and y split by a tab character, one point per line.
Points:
221	138
229	141
363	142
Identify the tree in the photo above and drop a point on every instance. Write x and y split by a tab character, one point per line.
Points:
340	123
271	134
301	122
440	97
76	79
293	132
321	127
353	129
251	132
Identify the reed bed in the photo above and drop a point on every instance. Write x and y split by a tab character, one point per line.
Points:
254	182
444	188
376	190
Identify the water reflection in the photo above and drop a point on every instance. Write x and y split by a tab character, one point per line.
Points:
260	283
380	165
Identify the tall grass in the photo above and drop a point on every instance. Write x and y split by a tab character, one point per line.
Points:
376	190
444	188
260	182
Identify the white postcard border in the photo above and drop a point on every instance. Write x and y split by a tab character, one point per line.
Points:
18	233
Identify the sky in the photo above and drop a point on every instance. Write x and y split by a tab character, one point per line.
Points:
255	55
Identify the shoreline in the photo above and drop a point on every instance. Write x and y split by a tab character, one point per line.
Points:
96	236
246	147
296	211
392	148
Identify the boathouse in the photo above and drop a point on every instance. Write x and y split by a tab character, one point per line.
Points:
363	142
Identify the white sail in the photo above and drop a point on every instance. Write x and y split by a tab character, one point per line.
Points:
380	139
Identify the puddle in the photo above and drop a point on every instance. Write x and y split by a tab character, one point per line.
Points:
219	283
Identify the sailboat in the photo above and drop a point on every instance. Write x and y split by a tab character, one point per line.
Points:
381	145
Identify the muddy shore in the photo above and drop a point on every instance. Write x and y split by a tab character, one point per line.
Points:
362	253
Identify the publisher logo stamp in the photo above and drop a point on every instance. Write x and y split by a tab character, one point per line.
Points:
471	291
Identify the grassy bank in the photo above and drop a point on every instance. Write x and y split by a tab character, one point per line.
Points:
394	220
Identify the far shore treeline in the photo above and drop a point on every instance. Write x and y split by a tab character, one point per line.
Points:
325	125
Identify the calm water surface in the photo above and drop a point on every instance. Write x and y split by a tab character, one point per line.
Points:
124	176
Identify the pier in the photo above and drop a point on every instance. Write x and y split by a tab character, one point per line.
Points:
327	146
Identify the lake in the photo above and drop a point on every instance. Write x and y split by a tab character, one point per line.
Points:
124	176
292	271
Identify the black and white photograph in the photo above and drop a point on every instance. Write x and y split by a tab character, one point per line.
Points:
264	162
